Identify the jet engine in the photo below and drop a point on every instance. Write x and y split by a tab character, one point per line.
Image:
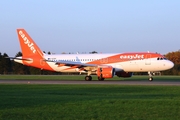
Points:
106	72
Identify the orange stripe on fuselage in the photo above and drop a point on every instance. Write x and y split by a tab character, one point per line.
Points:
125	57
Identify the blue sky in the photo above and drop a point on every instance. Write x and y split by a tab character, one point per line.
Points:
107	26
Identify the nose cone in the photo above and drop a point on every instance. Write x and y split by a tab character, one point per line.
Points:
169	64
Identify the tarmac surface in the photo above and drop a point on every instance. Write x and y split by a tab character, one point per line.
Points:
106	82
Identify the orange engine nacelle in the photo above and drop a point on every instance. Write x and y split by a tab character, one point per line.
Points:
124	74
107	72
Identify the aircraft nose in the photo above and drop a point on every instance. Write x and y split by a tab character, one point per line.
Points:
169	65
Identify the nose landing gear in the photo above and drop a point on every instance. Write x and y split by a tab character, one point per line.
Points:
150	76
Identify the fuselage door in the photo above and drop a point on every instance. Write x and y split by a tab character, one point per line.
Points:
148	59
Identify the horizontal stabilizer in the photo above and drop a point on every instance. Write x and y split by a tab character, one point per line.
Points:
19	58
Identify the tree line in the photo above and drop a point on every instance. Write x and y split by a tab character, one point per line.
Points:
175	58
8	66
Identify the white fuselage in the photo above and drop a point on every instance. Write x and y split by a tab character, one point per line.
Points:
139	65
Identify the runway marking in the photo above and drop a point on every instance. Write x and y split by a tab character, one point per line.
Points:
171	83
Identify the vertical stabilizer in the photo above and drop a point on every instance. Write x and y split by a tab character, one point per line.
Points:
28	46
31	54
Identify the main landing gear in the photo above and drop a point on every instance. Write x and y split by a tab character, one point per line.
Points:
100	78
89	78
150	76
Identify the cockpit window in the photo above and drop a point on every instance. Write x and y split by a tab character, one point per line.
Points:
161	58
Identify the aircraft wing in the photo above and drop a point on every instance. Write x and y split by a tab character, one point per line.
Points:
71	63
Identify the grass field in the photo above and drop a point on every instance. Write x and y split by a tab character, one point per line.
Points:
89	102
81	77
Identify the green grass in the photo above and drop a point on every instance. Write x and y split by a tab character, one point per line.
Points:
89	102
81	77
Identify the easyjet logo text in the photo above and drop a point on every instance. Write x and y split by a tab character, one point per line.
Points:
136	56
27	42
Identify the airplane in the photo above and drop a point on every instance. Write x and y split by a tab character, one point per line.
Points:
103	65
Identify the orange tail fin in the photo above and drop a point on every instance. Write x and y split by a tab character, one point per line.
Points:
31	54
28	46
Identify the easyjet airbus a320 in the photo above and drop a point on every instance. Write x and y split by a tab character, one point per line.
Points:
103	65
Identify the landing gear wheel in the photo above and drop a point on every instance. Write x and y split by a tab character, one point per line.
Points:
150	76
151	79
88	78
100	79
